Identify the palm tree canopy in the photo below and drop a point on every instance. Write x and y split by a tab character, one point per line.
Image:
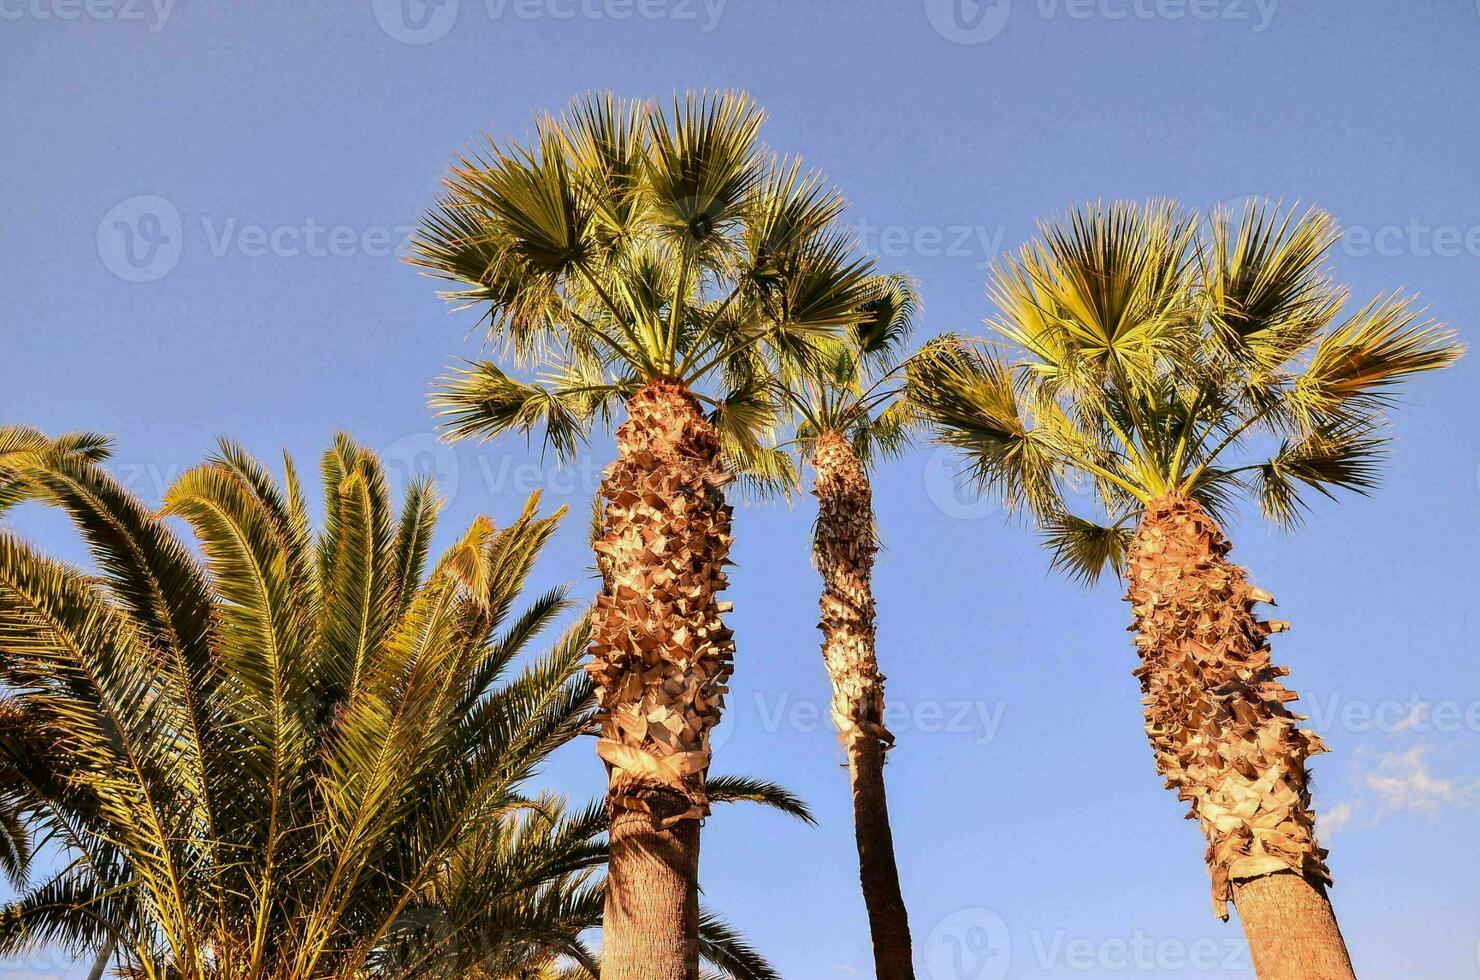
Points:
1138	353
852	383
630	243
304	754
16	442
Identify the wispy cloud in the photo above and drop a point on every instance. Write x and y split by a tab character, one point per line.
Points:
1403	781
1417	715
1400	782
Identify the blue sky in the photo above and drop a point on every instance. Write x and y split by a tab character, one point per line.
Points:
202	208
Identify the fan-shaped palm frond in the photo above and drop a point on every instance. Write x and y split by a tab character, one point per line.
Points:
1156	358
634	243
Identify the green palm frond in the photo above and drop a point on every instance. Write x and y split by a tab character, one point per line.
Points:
972	399
890	310
722	945
731	789
1263	278
1150	357
1354	367
485	402
634	243
19	441
1083	549
1340	457
308	752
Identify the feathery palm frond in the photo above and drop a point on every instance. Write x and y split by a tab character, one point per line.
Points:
304	755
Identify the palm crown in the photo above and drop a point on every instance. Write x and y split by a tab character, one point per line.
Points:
630	244
851	384
306	756
1144	355
262	765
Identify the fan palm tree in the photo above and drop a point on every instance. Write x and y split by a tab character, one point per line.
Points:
651	261
1173	371
303	757
848	416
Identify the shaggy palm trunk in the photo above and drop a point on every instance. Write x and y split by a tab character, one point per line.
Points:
660	657
1225	740
844	551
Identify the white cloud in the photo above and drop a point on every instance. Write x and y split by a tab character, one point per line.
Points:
1417	714
1335	818
1401	782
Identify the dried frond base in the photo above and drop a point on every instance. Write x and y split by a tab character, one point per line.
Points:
844	548
660	652
1216	711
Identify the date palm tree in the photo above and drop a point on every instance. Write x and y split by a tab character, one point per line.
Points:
304	756
848	416
1173	371
644	259
17	442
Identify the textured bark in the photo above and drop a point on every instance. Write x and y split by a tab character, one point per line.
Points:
660	658
844	551
1217	717
651	921
1291	929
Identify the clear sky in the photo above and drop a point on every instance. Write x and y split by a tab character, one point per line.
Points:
202	204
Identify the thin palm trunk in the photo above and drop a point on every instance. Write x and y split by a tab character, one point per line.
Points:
1217	718
660	657
844	550
100	962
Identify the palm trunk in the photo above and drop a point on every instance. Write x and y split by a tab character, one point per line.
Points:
844	550
660	658
1217	719
100	962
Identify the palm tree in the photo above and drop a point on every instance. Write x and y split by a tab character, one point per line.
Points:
303	757
1172	371
848	416
647	260
17	442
